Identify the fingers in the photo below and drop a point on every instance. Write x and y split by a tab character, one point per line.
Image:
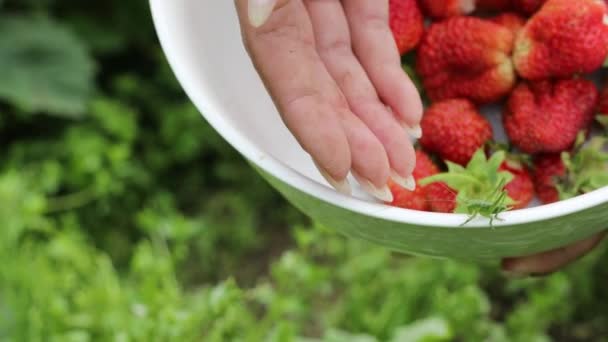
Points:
334	47
310	102
284	55
259	11
375	48
551	261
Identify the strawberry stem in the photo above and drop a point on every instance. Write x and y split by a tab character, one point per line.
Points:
479	185
586	168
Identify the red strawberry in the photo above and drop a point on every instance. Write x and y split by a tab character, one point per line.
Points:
521	188
569	174
477	189
407	24
466	57
603	105
546	168
564	38
512	21
527	7
440	9
454	129
441	198
546	116
416	199
494	5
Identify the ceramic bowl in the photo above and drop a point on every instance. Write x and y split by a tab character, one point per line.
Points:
202	42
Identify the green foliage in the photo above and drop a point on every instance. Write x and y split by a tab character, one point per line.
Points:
479	186
127	218
44	66
585	167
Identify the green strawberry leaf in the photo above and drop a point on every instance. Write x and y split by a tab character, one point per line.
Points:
453	167
602	119
453	180
495	161
596	181
479	186
586	168
45	68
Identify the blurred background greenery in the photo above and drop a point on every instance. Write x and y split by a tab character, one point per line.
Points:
125	217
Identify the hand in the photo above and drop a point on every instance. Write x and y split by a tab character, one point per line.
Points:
334	72
548	262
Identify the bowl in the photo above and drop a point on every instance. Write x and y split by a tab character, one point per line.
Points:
202	42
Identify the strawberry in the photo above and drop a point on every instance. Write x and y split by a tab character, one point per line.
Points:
546	116
527	7
441	198
406	23
477	189
521	188
416	199
603	105
440	9
493	5
602	108
466	57
563	39
510	20
566	175
547	168
454	130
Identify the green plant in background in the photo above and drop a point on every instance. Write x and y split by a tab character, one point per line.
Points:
35	53
127	218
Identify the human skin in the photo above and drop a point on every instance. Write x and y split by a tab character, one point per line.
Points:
333	70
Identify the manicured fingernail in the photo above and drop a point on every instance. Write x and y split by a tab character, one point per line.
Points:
413	131
408	183
467	6
259	11
384	193
341	186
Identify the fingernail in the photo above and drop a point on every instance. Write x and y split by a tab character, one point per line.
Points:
259	11
467	6
341	186
408	183
413	131
384	193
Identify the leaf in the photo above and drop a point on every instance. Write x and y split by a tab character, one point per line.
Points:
602	118
478	159
453	167
453	180
335	335
428	330
45	68
480	186
586	169
496	159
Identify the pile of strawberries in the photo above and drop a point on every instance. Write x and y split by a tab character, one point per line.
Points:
532	57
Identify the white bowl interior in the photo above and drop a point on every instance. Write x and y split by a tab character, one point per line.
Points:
203	44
